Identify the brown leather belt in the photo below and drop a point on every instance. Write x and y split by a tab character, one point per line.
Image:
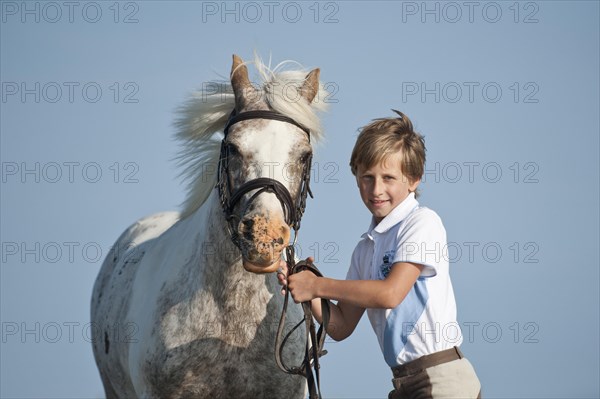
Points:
427	361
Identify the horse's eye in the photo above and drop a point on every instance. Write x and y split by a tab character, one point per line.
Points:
232	150
305	157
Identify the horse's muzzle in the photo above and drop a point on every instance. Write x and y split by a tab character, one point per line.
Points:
258	269
262	240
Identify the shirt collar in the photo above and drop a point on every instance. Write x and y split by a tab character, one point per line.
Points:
398	214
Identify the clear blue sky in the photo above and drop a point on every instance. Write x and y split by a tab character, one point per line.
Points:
506	94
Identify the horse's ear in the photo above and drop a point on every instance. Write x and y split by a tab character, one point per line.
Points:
239	80
310	87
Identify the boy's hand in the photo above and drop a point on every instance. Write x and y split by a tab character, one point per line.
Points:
301	285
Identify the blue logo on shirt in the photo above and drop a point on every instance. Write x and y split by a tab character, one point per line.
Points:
386	266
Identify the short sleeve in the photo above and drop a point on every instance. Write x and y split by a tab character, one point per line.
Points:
422	240
359	266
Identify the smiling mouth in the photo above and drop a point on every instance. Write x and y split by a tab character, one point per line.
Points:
378	202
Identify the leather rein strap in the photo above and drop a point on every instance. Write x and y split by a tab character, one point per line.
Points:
315	340
293	212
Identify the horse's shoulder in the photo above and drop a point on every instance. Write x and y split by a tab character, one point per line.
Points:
147	228
130	244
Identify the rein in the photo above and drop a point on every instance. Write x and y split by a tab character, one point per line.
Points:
315	341
293	211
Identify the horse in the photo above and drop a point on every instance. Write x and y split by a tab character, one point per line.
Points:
186	303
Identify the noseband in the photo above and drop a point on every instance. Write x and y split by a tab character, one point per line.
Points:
293	211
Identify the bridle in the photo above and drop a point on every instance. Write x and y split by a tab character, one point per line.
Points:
293	211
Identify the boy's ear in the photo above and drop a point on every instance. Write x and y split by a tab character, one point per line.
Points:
413	185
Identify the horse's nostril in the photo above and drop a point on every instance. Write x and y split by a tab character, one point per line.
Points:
278	241
248	223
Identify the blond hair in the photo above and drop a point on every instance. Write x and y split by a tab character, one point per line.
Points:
387	136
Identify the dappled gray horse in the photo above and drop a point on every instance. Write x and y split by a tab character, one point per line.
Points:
186	304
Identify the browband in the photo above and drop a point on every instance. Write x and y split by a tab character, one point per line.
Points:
261	114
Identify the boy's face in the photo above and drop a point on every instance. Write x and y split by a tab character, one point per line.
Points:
383	186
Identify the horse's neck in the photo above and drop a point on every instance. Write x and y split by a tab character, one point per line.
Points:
222	272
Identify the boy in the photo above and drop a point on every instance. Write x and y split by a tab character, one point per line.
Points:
398	272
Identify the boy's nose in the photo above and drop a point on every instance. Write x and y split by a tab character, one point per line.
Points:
377	187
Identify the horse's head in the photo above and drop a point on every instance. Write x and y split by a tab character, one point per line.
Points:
264	166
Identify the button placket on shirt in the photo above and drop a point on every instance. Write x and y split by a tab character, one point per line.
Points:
374	262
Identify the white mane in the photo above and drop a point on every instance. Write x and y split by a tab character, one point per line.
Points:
202	118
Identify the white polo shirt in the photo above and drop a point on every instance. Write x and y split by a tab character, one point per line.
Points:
425	321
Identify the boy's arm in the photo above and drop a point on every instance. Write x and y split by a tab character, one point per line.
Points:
363	294
353	296
343	318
